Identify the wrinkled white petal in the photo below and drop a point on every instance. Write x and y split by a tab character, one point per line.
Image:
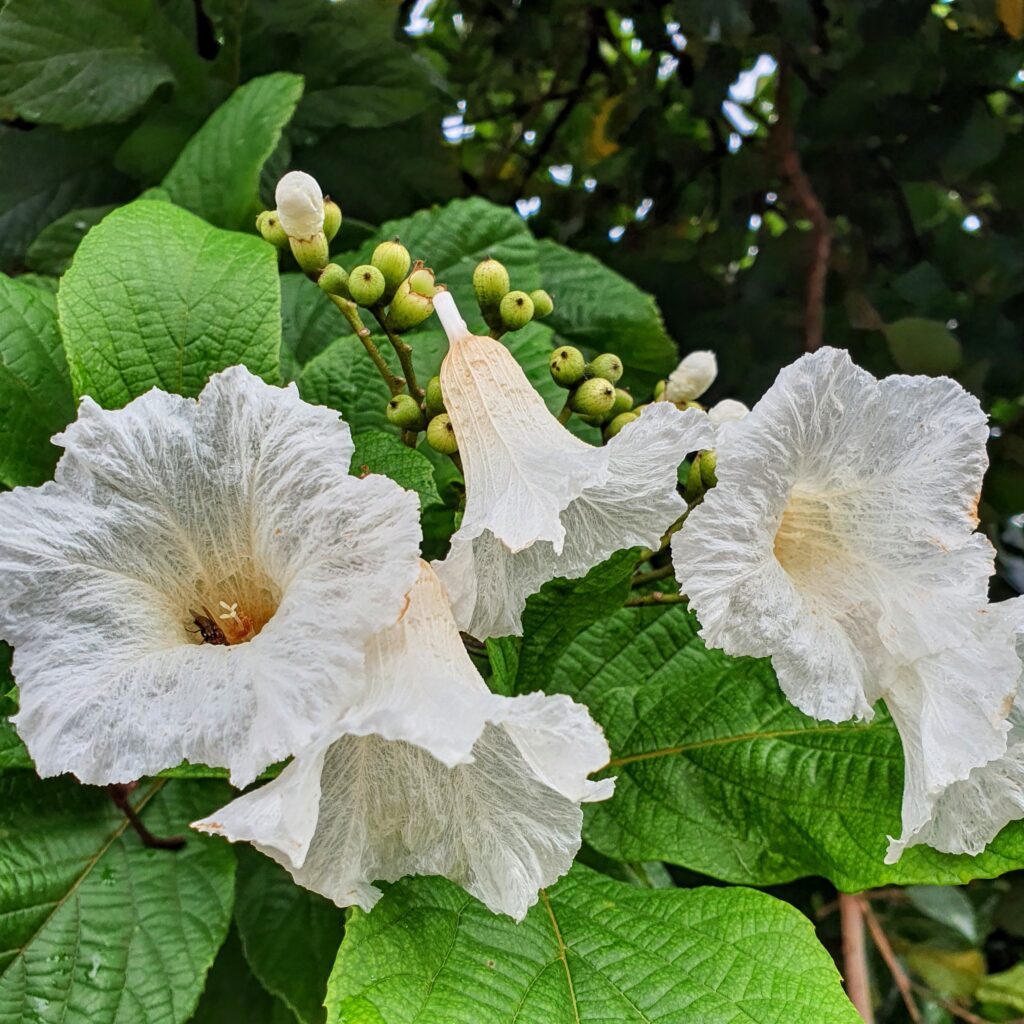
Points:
489	583
300	205
728	410
521	466
692	377
497	812
841	521
237	506
964	757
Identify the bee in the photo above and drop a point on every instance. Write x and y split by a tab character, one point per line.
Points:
207	627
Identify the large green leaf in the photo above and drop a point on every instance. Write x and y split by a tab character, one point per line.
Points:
290	935
78	62
309	323
592	950
718	772
377	452
54	246
600	310
155	297
95	927
35	389
342	377
217	175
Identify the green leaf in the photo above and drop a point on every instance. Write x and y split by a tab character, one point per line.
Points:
12	751
599	310
1004	989
591	950
78	62
342	377
156	297
217	175
718	772
53	248
35	389
309	323
233	995
290	935
93	925
923	346
377	452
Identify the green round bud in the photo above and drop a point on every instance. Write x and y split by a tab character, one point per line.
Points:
694	486
392	259
516	310
434	400
404	411
618	422
490	283
608	366
332	218
421	281
567	365
408	309
269	226
659	389
310	253
592	421
542	304
623	403
366	285
441	435
593	397
334	280
708	466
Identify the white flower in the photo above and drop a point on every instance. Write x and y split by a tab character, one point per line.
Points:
541	503
692	377
300	205
728	410
197	583
839	539
964	759
430	773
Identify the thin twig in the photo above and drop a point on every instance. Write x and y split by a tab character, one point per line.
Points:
783	140
640	578
348	309
563	416
119	794
855	960
958	1011
658	597
404	352
885	950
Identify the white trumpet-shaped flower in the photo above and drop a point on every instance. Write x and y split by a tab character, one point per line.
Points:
300	205
198	582
430	773
842	522
541	503
692	377
964	756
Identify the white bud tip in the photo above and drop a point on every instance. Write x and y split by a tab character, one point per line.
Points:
692	377
300	205
727	411
448	313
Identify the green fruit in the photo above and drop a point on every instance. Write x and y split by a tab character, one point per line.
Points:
623	403
332	218
567	365
421	281
269	226
608	366
392	259
516	310
594	397
334	280
434	400
543	305
708	466
404	411
618	422
441	435
366	285
490	284
659	389
408	309
694	486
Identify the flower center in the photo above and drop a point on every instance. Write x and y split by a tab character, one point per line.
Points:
232	612
806	542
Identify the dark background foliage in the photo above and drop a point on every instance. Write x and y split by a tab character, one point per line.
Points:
777	173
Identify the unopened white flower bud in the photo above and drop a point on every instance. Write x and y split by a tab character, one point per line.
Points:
728	410
300	205
692	377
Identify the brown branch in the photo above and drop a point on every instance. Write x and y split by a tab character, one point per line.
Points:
119	794
855	960
640	578
404	352
899	975
658	597
396	384
957	1010
783	142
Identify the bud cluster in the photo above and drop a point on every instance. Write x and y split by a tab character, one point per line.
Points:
504	309
593	395
305	220
404	412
